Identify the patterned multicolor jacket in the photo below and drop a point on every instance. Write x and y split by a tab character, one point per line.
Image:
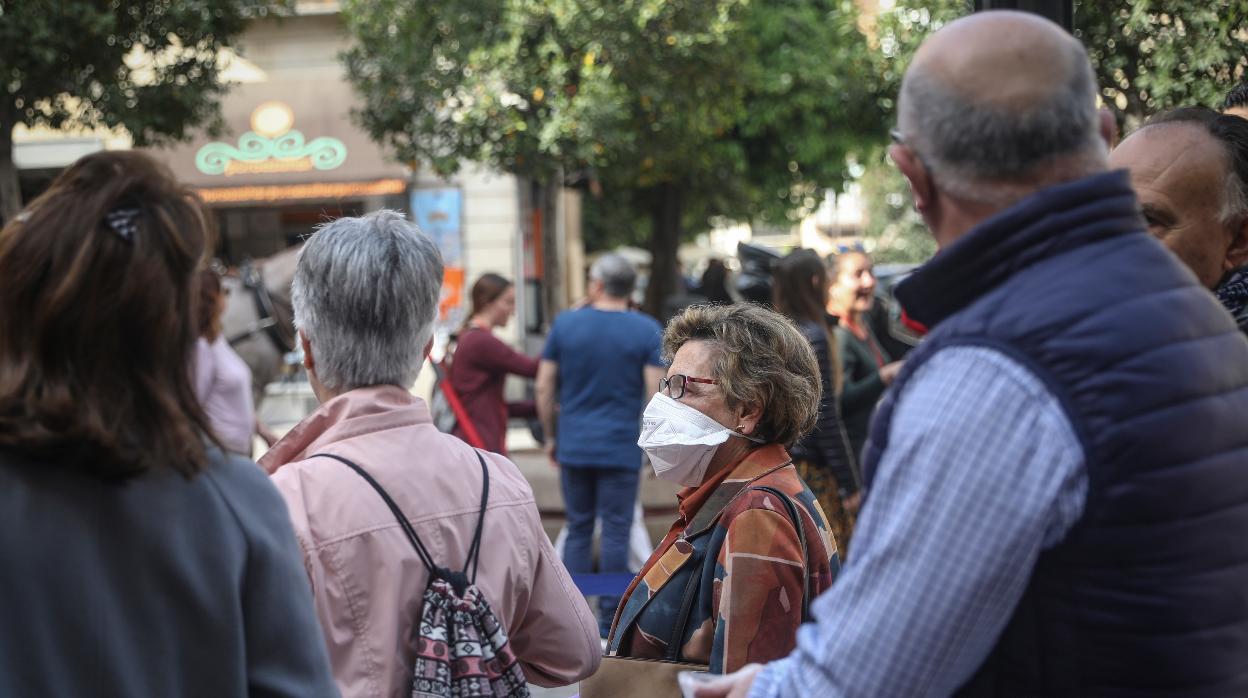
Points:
735	555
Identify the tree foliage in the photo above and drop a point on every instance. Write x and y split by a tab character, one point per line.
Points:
150	66
894	231
1148	56
676	111
1151	55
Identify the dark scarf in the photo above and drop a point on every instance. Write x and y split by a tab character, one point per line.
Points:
1233	293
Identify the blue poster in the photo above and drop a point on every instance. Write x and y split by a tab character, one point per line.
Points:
438	213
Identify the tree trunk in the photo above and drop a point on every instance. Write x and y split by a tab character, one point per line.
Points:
10	190
666	207
545	192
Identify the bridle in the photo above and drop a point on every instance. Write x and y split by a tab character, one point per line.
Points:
267	317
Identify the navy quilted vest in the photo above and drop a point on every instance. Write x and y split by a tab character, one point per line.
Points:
1148	594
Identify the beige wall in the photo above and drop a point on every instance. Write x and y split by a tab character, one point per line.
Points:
491	226
295	60
292	60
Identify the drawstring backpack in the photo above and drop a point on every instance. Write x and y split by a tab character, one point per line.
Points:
461	648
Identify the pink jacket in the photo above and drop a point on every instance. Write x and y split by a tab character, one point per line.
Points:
366	578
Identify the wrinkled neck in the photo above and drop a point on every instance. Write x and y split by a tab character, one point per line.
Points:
728	455
605	302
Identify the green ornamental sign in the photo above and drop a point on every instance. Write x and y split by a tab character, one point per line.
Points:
271	146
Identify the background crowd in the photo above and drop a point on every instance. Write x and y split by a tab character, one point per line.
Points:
1045	496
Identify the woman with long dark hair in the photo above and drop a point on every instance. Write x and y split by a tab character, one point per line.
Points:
141	560
823	456
482	362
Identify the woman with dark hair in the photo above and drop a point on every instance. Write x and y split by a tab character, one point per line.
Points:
222	378
822	457
482	362
866	365
714	286
141	559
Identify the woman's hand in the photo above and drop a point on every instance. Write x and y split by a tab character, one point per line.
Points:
734	685
888	372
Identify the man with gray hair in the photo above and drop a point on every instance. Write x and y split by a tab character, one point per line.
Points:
1189	167
365	297
1053	477
600	366
1236	101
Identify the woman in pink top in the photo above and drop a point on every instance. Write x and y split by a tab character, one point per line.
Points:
365	298
222	378
482	362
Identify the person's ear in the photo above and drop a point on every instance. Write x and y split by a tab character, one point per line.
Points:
1237	253
1108	128
308	361
912	168
747	421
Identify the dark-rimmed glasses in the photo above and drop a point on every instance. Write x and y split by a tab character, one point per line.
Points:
674	386
900	139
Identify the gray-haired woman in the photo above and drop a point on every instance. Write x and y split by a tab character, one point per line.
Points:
727	585
365	298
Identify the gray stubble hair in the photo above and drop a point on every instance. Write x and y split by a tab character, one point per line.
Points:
978	146
365	295
616	273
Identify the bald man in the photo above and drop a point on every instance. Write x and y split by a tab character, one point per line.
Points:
1189	168
1057	481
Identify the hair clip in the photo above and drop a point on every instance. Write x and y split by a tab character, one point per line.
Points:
123	222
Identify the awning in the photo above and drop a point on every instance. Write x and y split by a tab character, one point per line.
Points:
259	193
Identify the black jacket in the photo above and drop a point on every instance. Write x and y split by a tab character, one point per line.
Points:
158	586
827	446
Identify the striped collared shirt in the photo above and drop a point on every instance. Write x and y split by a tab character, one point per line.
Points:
982	472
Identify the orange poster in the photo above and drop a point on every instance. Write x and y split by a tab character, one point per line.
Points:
452	296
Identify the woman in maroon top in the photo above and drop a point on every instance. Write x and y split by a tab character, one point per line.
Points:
481	363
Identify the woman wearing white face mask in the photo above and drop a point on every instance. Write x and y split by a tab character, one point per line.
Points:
731	581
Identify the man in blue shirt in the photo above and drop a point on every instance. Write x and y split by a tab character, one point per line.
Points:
1054	477
600	366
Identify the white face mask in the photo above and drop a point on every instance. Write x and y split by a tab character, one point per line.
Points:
680	440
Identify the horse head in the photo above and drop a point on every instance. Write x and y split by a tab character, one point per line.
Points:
259	319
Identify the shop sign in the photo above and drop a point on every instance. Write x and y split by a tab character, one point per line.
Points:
438	213
271	146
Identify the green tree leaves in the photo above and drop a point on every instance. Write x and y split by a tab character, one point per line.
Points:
1151	55
150	66
677	111
1148	56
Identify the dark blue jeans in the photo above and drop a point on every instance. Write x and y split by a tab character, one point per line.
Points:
599	493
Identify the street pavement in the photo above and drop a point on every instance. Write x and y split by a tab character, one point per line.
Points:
564	692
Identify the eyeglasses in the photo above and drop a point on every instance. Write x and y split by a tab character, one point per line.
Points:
674	386
900	139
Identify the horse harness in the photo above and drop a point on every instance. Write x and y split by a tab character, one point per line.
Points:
252	279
